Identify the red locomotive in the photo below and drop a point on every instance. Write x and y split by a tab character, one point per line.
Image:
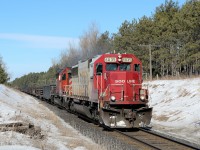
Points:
62	82
106	88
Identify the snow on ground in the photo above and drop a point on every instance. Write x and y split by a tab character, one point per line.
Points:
16	106
176	111
176	107
17	147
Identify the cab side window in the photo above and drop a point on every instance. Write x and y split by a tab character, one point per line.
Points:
69	75
64	77
137	67
99	69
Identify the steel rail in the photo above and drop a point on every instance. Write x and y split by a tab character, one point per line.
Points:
167	138
157	135
138	140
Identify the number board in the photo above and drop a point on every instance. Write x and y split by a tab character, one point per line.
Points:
110	59
126	59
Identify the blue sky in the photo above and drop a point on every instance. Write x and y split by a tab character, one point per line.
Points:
33	32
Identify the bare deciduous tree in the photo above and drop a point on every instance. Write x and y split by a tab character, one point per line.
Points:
88	42
69	57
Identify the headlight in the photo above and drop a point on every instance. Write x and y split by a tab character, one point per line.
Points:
143	94
142	97
112	98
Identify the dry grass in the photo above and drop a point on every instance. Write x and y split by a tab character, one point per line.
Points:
168	100
183	92
174	113
155	86
161	117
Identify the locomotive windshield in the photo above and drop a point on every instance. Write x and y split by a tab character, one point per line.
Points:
111	67
124	67
114	67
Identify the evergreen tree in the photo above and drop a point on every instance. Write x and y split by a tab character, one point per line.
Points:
3	74
174	34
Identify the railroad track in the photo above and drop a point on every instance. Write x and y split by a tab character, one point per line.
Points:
151	139
156	141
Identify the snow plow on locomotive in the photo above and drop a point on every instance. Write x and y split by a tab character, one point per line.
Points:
107	88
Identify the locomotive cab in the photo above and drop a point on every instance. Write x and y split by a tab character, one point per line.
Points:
122	100
62	81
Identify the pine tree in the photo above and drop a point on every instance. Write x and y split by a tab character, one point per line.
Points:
3	74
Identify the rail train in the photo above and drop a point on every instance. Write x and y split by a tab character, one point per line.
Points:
107	88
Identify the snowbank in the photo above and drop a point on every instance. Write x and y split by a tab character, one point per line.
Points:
176	107
16	106
17	147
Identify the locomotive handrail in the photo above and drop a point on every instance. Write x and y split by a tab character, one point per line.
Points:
103	95
67	89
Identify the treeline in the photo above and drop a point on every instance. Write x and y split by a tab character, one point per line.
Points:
172	34
36	79
4	77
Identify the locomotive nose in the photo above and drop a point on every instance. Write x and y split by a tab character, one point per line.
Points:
121	86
